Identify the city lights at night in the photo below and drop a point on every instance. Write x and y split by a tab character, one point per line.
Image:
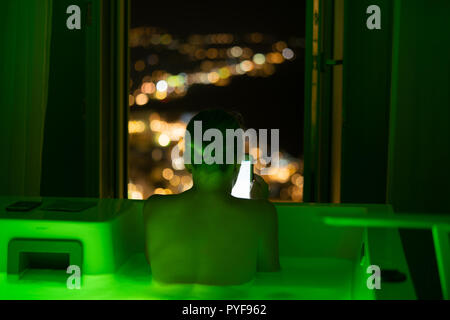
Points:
216	58
170	66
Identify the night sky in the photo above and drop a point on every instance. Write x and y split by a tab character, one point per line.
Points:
273	102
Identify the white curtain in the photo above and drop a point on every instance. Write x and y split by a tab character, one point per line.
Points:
25	32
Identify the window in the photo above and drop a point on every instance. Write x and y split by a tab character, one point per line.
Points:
192	57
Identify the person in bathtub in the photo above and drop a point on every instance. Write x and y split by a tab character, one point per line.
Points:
205	235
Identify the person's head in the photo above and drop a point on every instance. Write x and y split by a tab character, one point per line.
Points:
208	172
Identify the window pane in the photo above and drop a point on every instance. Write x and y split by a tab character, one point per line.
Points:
188	58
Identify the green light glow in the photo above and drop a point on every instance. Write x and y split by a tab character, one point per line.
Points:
301	278
318	261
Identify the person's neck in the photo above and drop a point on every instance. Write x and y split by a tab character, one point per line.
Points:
212	184
213	190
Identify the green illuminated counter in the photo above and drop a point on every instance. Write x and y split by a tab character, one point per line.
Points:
318	261
300	279
108	233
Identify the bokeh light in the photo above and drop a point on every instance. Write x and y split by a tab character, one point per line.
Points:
163	140
141	99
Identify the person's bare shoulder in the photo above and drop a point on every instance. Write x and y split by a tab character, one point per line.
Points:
262	210
266	218
269	212
261	205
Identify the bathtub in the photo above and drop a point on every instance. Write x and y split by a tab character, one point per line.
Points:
319	260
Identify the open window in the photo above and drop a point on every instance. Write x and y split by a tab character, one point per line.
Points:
190	57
